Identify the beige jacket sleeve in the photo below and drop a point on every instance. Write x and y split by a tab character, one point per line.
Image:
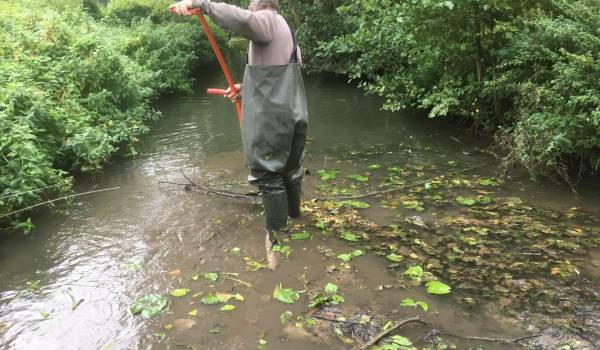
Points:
254	26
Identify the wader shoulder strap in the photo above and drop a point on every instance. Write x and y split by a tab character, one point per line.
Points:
294	55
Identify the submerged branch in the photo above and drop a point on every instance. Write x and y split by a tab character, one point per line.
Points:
207	190
383	334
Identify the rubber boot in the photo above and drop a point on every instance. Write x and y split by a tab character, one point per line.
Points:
275	204
294	198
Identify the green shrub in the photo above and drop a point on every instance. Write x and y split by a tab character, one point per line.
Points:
73	91
527	68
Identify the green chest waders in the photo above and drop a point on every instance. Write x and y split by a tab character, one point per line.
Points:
274	127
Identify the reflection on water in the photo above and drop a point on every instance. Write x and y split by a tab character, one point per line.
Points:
112	247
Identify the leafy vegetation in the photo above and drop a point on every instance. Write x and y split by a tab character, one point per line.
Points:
527	70
76	80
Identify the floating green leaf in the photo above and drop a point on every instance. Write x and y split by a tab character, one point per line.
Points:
354	204
159	335
345	257
285	295
349	236
414	271
488	182
330	288
374	166
402	341
408	302
437	287
210	299
285	317
149	305
178	293
193	313
300	235
211	276
327	175
394	257
358	177
465	201
227	307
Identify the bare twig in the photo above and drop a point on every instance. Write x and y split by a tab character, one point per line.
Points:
207	190
56	200
383	334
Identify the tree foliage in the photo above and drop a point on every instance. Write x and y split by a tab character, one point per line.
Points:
528	69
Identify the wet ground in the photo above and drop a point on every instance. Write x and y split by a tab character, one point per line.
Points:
521	257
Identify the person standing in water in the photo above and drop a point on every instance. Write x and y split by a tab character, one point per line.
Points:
274	109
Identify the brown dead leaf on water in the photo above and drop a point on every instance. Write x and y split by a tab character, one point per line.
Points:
174	272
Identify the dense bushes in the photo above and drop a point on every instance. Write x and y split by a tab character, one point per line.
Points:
74	90
528	70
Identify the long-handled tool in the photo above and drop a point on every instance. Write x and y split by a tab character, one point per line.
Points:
217	51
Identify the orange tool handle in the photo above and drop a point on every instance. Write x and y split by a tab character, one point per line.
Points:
217	51
219	92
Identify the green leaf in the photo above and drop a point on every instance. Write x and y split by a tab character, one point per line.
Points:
394	257
285	317
408	302
465	201
349	236
300	235
423	305
414	271
149	305
437	287
159	335
193	313
354	204
488	182
402	341
327	175
210	299
358	177
285	295
211	276
374	166
178	293
227	307
345	257
357	252
331	288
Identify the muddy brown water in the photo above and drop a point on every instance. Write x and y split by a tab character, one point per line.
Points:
110	248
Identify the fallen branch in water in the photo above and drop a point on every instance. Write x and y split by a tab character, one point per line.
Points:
436	331
383	334
207	190
56	200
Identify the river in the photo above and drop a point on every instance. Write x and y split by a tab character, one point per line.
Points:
70	283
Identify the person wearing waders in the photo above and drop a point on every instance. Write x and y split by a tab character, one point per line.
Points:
274	110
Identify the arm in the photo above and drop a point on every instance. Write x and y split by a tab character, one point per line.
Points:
255	26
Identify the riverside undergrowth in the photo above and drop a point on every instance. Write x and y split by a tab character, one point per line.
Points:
76	83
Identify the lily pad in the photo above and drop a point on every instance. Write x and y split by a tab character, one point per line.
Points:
149	305
358	177
331	288
300	235
349	236
180	292
354	204
437	287
465	201
286	316
285	295
227	307
211	276
394	257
